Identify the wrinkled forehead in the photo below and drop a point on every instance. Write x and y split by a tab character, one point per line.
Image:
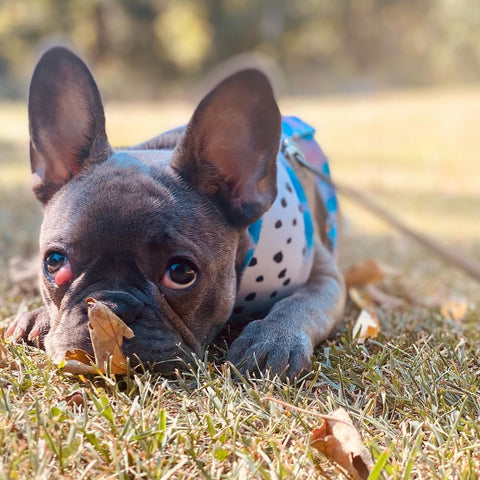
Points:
125	201
123	194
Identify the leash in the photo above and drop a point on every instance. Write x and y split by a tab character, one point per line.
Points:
467	264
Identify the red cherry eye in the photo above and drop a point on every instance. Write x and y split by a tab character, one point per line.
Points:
64	274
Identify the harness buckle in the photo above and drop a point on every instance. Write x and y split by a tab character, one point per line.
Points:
290	151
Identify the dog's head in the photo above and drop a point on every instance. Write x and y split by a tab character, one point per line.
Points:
156	234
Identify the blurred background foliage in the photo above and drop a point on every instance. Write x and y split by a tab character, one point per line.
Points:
164	46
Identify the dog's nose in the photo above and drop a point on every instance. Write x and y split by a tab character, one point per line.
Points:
123	304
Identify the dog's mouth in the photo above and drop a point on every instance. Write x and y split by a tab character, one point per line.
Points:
159	338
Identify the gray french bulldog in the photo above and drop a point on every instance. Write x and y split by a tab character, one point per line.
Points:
181	234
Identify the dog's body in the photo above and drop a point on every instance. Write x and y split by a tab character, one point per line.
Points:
162	232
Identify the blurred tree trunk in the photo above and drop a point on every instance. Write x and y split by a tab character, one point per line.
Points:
102	46
235	30
273	27
355	21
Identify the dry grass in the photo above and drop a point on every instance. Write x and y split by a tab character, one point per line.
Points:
413	392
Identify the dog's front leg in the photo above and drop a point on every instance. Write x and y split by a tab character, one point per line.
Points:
31	327
283	341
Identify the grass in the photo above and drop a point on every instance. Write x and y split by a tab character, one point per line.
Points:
413	392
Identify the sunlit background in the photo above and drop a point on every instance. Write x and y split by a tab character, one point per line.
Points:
392	86
320	45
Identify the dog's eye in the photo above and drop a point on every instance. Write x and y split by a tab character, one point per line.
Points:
57	269
180	274
54	262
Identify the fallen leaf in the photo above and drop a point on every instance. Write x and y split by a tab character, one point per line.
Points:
75	399
79	362
454	308
107	331
369	271
366	326
79	355
339	440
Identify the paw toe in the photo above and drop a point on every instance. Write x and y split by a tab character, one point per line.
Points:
30	327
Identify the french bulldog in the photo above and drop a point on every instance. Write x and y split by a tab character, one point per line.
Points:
168	233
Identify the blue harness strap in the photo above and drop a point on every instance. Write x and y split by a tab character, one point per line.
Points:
281	255
294	129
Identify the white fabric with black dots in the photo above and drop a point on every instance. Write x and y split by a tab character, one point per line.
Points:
283	257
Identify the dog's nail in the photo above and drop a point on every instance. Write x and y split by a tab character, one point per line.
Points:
33	334
11	329
18	333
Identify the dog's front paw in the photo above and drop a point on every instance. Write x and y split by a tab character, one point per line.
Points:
266	345
31	327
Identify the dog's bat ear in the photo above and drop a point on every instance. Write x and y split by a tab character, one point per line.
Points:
66	120
230	146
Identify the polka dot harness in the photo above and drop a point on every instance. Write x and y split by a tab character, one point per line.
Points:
283	239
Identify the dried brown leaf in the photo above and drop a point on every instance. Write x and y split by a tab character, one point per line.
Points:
339	440
369	271
79	362
454	308
366	326
75	399
79	355
107	332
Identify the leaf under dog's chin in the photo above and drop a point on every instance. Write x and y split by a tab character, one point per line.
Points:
107	331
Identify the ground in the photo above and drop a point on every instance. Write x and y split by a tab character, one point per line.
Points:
413	392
